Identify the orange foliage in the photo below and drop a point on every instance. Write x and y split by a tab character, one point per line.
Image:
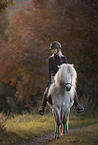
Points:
26	52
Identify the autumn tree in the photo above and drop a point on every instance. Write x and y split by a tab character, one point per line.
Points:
4	4
23	59
73	24
3	24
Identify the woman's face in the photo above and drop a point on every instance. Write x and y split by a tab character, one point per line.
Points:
54	51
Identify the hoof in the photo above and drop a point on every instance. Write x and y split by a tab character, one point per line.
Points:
56	137
67	132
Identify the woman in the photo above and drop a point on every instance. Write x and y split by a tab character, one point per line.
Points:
56	59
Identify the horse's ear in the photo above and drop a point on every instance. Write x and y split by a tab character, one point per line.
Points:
58	66
73	65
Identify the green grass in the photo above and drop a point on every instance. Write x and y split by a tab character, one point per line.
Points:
25	126
85	136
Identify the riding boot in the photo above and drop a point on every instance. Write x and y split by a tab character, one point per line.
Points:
42	108
44	102
78	106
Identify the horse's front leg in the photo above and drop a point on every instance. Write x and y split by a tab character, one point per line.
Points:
58	123
65	120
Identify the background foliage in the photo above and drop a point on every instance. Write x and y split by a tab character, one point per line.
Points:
4	4
25	41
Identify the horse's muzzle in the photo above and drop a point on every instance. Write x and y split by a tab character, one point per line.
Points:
68	86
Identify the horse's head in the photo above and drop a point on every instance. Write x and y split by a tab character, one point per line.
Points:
66	76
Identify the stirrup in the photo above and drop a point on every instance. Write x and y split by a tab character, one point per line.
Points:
41	110
79	108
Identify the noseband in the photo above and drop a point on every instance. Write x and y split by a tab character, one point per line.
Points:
68	84
64	84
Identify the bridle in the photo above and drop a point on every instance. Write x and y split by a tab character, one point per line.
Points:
68	84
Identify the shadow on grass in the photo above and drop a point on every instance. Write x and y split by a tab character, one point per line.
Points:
8	138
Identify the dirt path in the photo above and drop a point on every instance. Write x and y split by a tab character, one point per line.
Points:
43	140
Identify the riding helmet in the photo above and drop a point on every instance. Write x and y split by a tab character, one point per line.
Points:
55	44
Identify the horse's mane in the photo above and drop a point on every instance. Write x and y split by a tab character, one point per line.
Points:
63	71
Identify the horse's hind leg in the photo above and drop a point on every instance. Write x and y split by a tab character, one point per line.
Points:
58	123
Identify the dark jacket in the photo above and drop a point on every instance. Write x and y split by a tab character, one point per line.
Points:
54	61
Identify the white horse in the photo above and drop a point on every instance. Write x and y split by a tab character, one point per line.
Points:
62	93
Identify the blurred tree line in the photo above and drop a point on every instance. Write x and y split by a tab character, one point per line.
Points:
4	4
24	55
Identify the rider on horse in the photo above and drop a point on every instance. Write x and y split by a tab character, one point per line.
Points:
56	59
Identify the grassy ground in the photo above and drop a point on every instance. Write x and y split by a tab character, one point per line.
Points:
25	126
85	136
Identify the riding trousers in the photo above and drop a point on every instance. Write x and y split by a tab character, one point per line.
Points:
45	99
49	84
